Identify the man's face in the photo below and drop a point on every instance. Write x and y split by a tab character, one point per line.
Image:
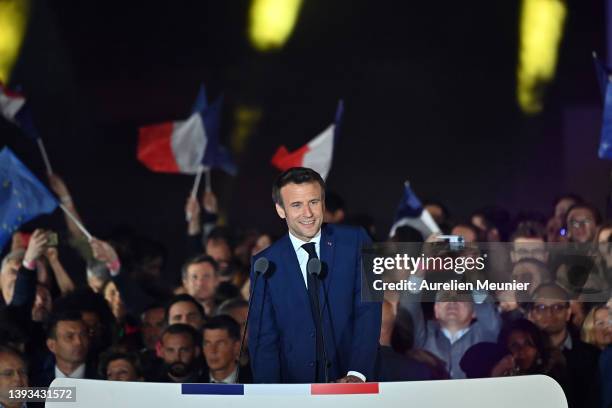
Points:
71	342
529	248
220	251
457	315
13	373
113	297
302	208
220	350
550	313
201	281
152	325
178	353
528	273
8	276
186	313
42	304
581	225
121	370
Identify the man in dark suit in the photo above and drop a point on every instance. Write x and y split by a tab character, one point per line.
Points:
221	346
285	342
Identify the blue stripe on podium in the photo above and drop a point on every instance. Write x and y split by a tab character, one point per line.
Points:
212	389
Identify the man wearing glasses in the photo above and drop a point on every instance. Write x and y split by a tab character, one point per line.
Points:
550	311
582	222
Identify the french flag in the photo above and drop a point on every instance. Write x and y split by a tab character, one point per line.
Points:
14	108
316	154
410	212
186	145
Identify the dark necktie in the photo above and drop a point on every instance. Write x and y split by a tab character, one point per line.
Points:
313	286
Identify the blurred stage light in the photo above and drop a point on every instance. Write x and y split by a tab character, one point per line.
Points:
13	21
541	31
271	22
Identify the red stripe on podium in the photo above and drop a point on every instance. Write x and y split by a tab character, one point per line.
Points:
344	388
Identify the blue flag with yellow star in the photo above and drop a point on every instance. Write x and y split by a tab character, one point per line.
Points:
22	196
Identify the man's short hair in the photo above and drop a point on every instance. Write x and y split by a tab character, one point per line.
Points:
197	260
544	270
224	322
115	354
227	306
17	254
182	328
585	206
11	350
63	316
295	175
529	229
183	297
550	285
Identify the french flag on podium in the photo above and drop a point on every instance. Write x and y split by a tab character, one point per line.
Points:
316	154
410	212
605	87
186	145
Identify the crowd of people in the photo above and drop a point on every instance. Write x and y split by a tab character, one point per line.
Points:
125	325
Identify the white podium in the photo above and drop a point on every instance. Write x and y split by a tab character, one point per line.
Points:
506	392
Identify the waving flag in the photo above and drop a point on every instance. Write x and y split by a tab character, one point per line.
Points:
22	196
184	146
316	154
410	212
14	108
603	77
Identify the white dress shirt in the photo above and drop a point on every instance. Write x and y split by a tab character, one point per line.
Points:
78	373
302	256
230	379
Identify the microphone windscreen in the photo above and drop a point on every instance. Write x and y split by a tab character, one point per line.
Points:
261	266
314	266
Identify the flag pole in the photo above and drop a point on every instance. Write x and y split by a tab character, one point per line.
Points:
196	183
76	221
43	152
194	189
208	182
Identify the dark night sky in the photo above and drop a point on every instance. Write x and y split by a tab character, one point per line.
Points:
429	91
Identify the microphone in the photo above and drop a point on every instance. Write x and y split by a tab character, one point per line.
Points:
314	267
261	267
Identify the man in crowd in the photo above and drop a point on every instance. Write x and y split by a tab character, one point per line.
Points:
186	310
180	348
152	323
528	242
459	324
221	346
13	374
288	343
68	341
550	311
200	276
582	223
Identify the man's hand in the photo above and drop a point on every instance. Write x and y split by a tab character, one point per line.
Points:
51	254
192	208
36	246
103	251
350	379
209	201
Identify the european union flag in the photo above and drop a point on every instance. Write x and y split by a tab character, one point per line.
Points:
605	87
22	196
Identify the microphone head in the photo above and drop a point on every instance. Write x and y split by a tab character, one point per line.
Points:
313	266
261	266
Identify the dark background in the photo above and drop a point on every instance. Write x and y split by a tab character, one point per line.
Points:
429	90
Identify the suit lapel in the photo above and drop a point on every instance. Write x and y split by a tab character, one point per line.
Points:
294	276
327	248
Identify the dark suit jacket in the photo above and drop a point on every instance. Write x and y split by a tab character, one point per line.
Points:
392	366
44	375
584	387
282	339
